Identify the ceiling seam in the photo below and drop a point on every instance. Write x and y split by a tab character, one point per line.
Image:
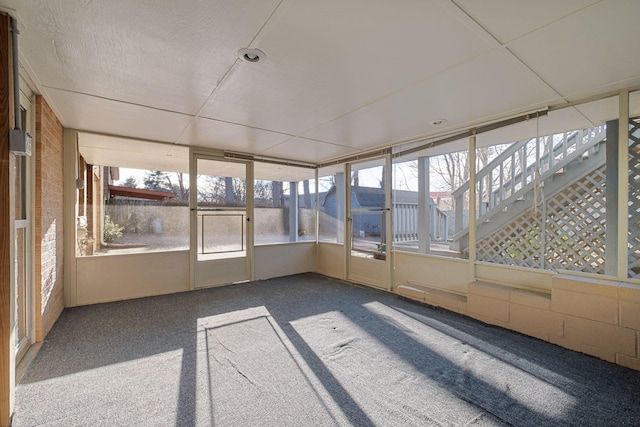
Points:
266	22
116	100
552	22
197	114
312	140
504	47
247	126
224	77
392	93
492	40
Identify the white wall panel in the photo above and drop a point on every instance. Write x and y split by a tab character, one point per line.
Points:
284	259
121	277
331	260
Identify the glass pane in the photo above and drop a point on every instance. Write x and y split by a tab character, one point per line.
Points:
634	186
429	226
368	214
542	196
331	205
221	232
133	210
20	187
307	210
272	212
221	205
284	199
21	283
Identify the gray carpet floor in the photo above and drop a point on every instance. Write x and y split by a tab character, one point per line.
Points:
307	350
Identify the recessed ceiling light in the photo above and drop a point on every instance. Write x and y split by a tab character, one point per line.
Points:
439	122
251	55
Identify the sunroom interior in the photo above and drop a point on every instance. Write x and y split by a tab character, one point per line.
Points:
240	217
482	158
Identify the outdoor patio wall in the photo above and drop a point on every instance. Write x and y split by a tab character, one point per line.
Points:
121	277
592	315
284	259
48	262
175	218
330	260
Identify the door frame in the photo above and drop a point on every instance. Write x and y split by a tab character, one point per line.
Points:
377	273
196	154
28	225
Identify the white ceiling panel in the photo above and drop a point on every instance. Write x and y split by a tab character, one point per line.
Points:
507	20
283	173
339	77
307	150
327	58
162	54
634	104
89	113
564	120
598	112
481	89
588	52
128	153
228	136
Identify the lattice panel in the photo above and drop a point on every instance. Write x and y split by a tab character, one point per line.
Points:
573	238
634	199
575	226
516	244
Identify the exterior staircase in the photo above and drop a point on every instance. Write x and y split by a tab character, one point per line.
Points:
524	176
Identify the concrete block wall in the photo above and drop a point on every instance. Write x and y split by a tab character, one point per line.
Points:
593	316
48	260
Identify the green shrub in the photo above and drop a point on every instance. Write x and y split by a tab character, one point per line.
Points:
111	229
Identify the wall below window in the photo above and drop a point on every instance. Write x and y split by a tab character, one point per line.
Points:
120	277
331	260
284	259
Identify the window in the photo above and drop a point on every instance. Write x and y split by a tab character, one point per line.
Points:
284	204
331	187
133	204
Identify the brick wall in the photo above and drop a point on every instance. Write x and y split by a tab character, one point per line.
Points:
48	262
590	315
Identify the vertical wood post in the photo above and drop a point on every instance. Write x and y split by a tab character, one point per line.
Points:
472	208
293	211
623	185
611	225
6	284
424	208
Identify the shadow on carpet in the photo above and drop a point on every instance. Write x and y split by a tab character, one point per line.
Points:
308	350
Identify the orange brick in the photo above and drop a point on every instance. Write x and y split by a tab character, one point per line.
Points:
535	319
586	285
488	307
531	299
48	264
630	314
598	352
607	337
588	306
628	362
629	292
489	290
530	332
